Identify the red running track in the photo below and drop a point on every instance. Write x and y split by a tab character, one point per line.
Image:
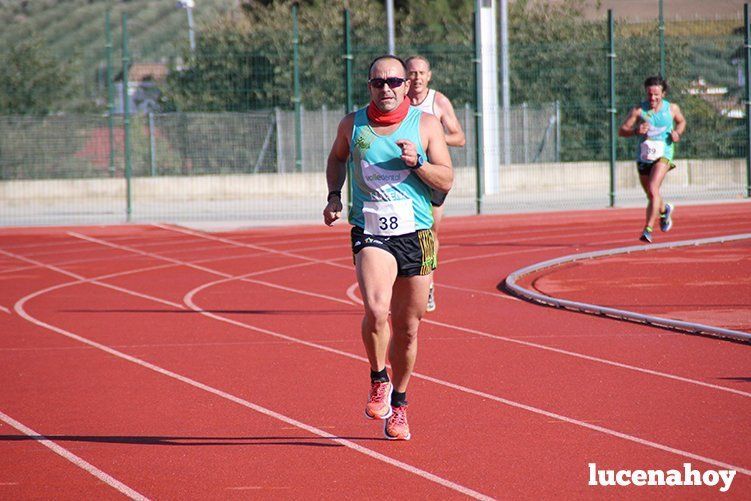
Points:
689	284
161	362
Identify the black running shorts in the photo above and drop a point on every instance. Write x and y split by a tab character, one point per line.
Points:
414	252
645	168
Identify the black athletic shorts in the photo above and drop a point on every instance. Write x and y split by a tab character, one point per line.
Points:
645	168
414	252
437	197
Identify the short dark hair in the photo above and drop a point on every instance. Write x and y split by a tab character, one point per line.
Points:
387	56
656	80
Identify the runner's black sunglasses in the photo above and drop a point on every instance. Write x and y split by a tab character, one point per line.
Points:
392	82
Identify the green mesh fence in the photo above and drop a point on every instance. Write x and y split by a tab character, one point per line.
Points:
56	147
214	133
704	68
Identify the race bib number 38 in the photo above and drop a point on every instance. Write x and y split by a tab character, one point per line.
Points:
396	217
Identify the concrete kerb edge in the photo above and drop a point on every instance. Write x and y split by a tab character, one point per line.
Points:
592	309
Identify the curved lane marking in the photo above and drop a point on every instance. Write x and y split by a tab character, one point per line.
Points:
19	308
601	429
593	309
188	300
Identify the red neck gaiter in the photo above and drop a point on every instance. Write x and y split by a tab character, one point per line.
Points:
386	118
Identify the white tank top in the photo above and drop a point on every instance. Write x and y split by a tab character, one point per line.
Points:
426	105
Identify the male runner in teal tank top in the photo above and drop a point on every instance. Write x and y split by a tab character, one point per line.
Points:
659	124
395	156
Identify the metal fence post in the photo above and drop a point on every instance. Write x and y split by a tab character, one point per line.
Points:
347	64
304	148
557	130
126	119
324	130
281	165
478	115
525	132
661	29
505	86
611	109
152	145
747	53
349	104
296	83
110	94
467	116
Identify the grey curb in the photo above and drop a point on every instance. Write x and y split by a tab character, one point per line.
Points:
593	309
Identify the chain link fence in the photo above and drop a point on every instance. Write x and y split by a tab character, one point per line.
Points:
232	135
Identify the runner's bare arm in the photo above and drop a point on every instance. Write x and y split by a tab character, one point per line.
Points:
680	122
452	127
629	127
336	170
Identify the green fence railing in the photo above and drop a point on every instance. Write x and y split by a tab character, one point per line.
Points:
236	107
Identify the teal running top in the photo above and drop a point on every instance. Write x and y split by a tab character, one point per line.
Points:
660	126
388	198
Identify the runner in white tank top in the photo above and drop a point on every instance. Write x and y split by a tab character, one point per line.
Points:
433	102
427	105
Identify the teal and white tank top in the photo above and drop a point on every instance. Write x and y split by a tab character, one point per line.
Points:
657	143
388	198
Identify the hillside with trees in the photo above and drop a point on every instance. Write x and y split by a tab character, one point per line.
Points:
53	53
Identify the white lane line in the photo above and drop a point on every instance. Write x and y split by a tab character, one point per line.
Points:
211	271
192	305
500	231
351	445
496	294
355	298
326	262
591	358
333	262
350	293
601	429
76	460
514	239
109	258
249	246
19	308
96	280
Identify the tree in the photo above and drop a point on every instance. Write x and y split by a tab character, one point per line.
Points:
244	60
31	81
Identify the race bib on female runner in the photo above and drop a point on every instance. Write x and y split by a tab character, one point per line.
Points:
651	150
395	217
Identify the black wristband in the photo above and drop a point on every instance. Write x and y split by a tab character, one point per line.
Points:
418	164
334	193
